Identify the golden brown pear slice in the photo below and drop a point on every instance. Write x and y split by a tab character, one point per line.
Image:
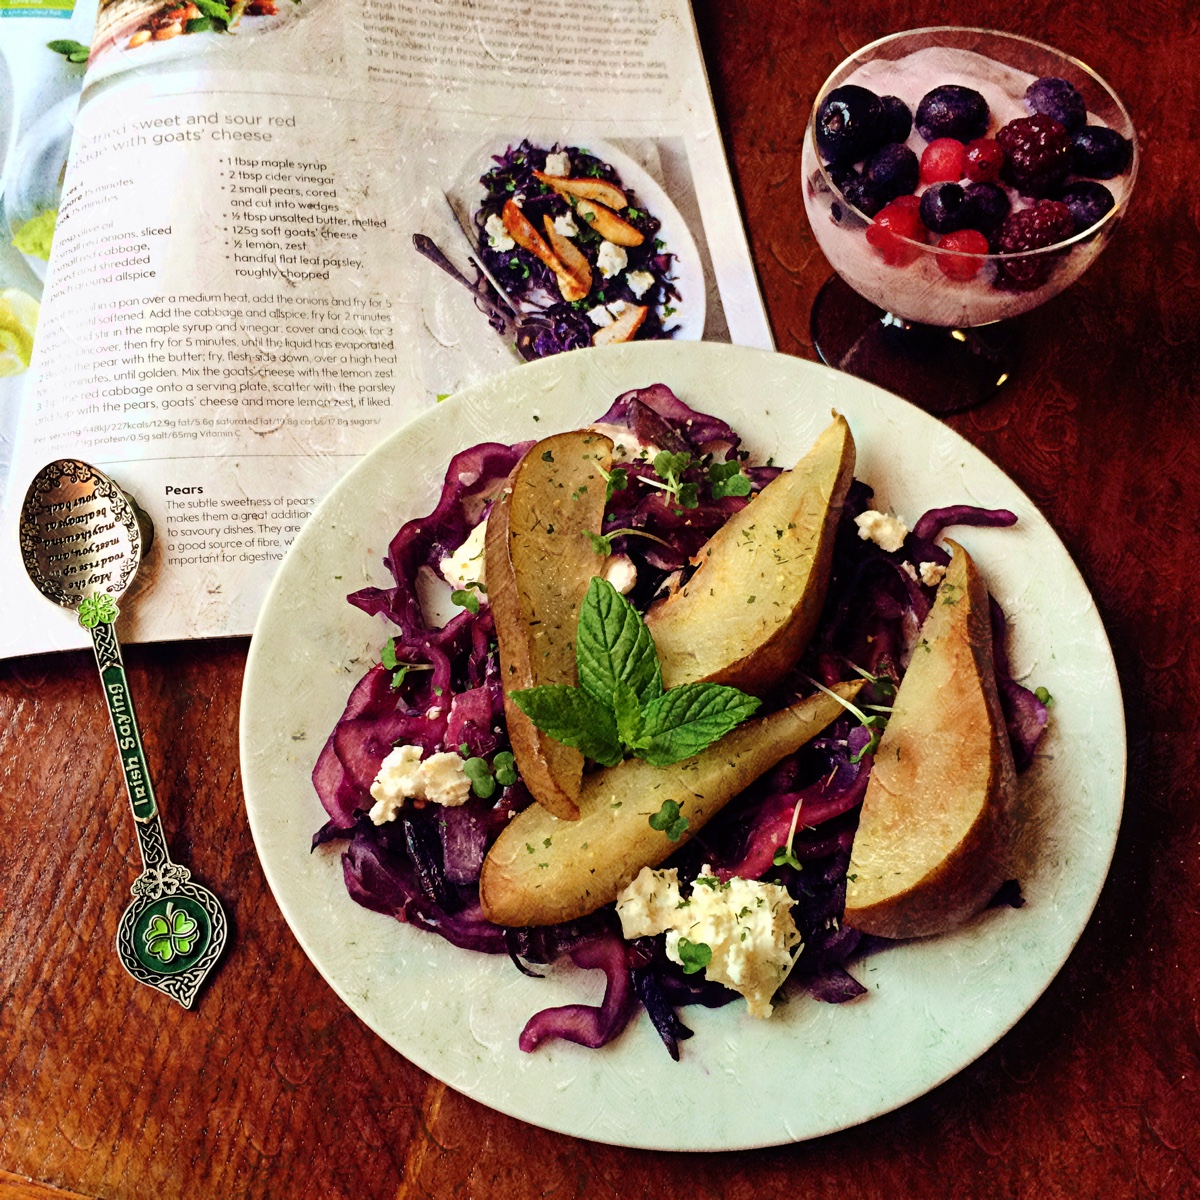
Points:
542	870
577	281
935	837
623	328
608	225
748	612
538	563
587	189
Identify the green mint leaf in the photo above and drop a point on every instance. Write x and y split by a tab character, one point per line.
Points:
688	718
669	821
505	768
727	480
694	956
628	713
572	716
198	25
71	50
387	655
612	643
465	598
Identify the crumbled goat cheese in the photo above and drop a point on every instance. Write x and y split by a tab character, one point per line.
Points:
909	570
885	531
404	776
625	445
746	924
466	565
611	259
621	573
605	314
932	573
498	237
565	225
558	165
640	282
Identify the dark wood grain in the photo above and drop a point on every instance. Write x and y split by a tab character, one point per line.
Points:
272	1088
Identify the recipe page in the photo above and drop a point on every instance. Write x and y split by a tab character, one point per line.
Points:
242	299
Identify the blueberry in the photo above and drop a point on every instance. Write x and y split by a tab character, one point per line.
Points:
1058	99
944	208
987	206
952	111
858	190
1100	152
1088	202
849	124
897	120
892	171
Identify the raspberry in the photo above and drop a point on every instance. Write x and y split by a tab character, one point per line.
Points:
984	158
899	220
1037	154
1046	223
966	241
942	161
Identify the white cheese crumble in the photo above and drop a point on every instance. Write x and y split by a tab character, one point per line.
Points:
611	259
498	237
746	924
466	565
558	165
625	444
640	282
605	314
621	573
564	224
885	531
404	776
932	573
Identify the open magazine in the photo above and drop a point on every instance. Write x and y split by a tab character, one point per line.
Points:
250	282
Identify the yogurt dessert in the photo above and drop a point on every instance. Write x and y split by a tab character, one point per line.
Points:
952	189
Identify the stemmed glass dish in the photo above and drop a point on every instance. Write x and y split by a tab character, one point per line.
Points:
920	309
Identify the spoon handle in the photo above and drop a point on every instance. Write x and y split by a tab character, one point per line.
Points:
151	841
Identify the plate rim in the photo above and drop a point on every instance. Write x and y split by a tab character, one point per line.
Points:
625	360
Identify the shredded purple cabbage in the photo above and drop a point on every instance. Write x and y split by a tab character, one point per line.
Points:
445	694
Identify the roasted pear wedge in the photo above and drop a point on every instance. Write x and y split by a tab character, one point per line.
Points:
935	838
542	870
760	584
538	564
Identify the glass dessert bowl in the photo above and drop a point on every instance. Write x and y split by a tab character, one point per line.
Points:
955	179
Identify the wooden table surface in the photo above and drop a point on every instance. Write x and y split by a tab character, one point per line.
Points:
273	1088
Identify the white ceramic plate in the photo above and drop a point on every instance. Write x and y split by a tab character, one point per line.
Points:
932	1006
687	320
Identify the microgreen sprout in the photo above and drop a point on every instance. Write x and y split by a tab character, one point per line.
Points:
466	597
727	479
784	857
400	670
602	542
668	820
876	722
670	468
694	956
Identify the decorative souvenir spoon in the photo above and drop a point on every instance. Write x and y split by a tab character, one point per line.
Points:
82	539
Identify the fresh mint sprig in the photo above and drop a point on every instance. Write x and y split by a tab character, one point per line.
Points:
620	706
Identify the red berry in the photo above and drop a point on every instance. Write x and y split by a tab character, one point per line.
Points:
942	161
893	224
1036	228
965	241
1037	154
984	159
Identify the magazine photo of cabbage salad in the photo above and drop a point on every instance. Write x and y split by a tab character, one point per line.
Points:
570	241
717	728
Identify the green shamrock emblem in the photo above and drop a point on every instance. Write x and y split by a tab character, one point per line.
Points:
171	936
97	610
